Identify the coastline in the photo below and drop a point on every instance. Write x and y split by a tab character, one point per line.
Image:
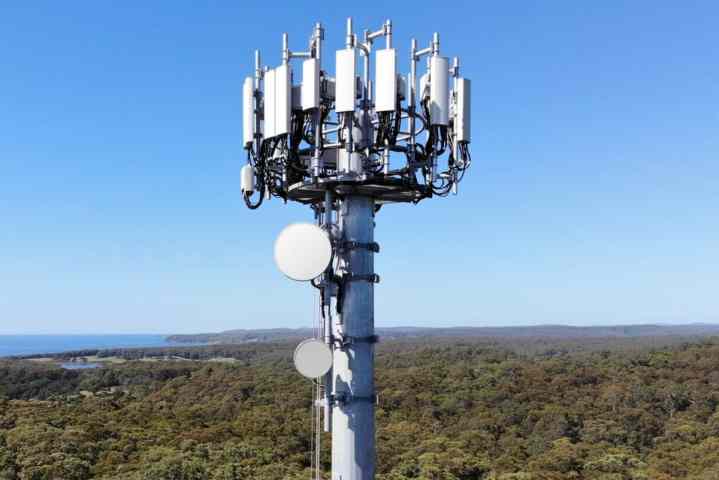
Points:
39	346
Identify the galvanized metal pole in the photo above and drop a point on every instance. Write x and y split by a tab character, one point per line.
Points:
353	422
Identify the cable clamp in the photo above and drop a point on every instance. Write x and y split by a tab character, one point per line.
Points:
372	246
344	398
346	340
365	277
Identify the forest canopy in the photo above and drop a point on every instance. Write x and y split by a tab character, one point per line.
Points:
448	410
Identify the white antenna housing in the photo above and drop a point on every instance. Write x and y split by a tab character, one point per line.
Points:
312	358
283	99
386	80
439	90
248	112
269	105
303	251
346	80
247	180
462	119
310	84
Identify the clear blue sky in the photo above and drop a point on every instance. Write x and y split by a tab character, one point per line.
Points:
594	195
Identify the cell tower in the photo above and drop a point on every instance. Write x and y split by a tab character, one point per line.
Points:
346	145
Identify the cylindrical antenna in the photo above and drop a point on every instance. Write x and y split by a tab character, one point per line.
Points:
317	118
366	92
412	70
257	96
435	43
411	96
453	98
258	68
350	37
285	48
388	32
318	40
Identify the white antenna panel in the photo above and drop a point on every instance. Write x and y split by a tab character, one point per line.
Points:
303	251
248	112
313	358
269	108
439	90
346	82
283	99
386	80
462	120
310	84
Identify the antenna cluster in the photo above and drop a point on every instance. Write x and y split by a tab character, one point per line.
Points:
377	134
345	145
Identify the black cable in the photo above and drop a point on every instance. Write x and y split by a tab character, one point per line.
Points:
248	202
340	293
260	184
397	121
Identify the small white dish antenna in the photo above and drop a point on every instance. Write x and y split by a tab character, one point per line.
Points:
303	251
313	358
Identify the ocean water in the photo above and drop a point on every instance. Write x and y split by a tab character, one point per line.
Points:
35	344
80	366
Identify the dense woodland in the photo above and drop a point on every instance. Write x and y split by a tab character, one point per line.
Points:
448	410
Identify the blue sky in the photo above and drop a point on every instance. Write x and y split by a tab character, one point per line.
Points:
593	199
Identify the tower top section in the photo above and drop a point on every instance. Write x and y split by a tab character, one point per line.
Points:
364	129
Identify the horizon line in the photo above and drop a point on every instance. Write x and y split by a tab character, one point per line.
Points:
538	325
